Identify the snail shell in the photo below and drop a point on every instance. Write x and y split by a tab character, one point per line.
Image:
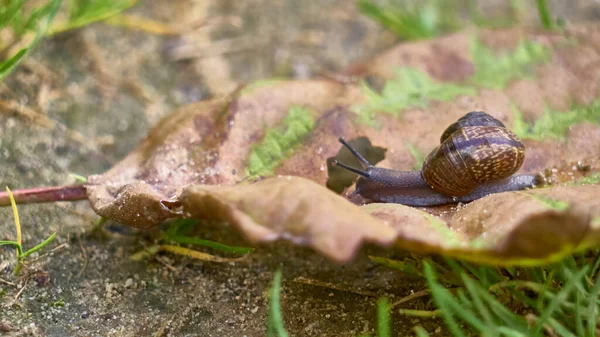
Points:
475	149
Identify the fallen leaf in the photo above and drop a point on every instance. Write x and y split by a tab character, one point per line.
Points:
292	208
261	157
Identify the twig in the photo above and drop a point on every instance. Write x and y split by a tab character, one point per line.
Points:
45	194
166	264
194	254
162	328
21	290
410	297
418	294
53	250
7	282
313	282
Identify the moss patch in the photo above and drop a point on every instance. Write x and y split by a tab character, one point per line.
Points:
413	88
278	144
592	179
555	124
556	205
441	227
410	88
494	70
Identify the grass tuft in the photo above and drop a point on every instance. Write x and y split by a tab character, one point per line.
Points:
410	88
494	70
24	27
280	143
562	299
555	124
21	255
21	23
84	12
179	228
558	300
413	20
177	234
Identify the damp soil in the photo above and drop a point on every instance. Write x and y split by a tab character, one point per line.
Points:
104	87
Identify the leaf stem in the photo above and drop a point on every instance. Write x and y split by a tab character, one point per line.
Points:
45	194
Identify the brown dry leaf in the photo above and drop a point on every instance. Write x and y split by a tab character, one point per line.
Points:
201	156
291	208
260	158
204	143
528	227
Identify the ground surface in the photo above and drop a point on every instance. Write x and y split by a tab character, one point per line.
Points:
111	85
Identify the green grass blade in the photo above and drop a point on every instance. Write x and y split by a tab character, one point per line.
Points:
544	13
592	310
178	228
404	266
9	12
556	302
17	220
578	321
463	299
538	275
580	286
420	332
8	65
509	332
545	289
79	177
472	270
420	313
559	329
85	12
502	312
442	300
596	265
275	320
511	271
210	244
478	303
454	266
39	246
383	317
13	243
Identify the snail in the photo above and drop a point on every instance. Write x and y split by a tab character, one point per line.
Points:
477	156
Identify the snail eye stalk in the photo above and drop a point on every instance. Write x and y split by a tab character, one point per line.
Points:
350	168
358	156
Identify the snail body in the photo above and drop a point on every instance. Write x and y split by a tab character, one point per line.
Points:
477	156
